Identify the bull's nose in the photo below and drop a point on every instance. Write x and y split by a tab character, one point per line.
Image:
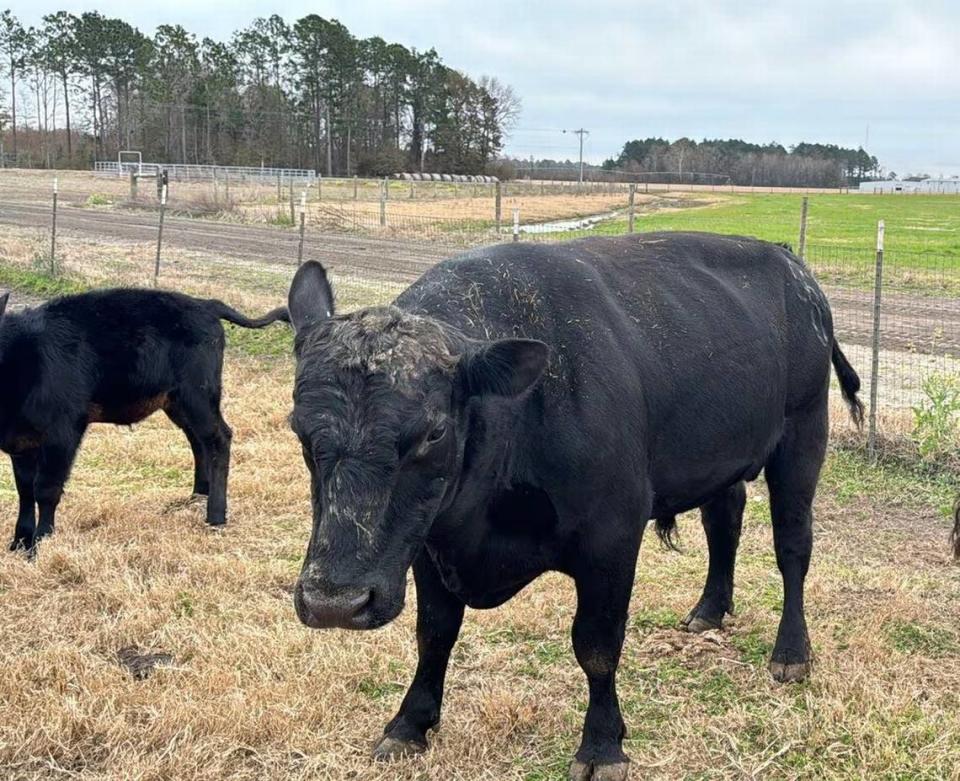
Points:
321	610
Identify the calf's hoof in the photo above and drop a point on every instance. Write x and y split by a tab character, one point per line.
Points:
389	749
789	672
588	771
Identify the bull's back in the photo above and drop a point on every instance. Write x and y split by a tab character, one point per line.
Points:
680	352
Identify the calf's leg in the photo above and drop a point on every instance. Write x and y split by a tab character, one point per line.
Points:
604	580
722	519
200	415
792	473
201	476
53	469
439	616
24	473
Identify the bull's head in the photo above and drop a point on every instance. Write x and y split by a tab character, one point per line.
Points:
380	407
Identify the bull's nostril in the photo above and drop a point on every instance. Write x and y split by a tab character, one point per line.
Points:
359	601
319	608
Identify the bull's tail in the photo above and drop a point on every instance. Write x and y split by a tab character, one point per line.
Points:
231	315
849	384
955	535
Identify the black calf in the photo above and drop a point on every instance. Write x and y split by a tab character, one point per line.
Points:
111	356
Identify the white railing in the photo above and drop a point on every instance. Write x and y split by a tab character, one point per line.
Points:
182	172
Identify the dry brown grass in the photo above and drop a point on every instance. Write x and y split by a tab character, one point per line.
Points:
253	694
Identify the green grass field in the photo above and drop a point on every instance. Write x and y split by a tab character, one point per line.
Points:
914	224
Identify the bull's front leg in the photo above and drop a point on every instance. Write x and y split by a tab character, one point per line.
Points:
439	615
604	579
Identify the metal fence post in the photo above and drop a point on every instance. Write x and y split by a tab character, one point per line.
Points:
803	228
319	187
498	205
163	204
355	187
133	185
383	203
293	215
53	231
303	225
875	364
386	189
631	208
516	225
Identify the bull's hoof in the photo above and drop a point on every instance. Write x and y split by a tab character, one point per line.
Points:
789	672
389	749
696	624
584	771
216	523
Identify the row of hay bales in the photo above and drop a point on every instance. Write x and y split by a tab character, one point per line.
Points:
417	177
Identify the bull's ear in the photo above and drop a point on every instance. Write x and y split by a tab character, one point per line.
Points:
311	297
504	368
4	297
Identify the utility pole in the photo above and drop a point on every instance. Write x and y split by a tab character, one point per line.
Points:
581	132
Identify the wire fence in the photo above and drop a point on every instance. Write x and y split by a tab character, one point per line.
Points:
384	238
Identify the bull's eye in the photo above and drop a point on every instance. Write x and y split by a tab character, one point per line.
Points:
436	435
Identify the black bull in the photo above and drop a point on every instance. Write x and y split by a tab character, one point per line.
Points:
528	408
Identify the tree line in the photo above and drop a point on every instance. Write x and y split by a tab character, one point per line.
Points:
733	161
304	95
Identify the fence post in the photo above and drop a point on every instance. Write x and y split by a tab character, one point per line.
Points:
516	225
875	364
498	205
279	187
412	185
133	185
163	204
803	228
355	187
319	187
53	231
383	203
303	225
631	209
386	189
293	215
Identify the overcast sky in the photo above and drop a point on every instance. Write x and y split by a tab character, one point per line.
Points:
762	70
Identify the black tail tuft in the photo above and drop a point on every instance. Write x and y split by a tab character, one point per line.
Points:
849	384
955	535
231	315
666	529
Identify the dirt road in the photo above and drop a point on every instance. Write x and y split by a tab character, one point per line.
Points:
923	324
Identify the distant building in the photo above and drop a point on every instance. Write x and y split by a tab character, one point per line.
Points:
937	186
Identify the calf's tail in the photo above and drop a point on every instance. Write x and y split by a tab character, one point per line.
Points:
231	315
849	384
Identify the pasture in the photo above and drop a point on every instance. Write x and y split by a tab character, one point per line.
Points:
251	693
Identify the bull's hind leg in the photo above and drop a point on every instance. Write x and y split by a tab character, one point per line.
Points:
722	519
792	472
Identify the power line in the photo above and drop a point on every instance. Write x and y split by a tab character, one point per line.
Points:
580	132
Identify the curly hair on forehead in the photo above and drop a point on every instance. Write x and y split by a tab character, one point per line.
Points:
383	340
